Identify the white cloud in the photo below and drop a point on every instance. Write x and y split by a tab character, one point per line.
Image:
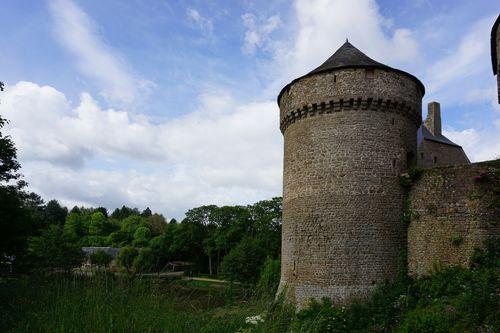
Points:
223	153
77	32
324	25
204	24
258	33
479	144
469	58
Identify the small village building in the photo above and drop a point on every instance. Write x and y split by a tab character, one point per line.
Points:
433	148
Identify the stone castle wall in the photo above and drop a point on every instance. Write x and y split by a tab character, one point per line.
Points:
347	137
453	211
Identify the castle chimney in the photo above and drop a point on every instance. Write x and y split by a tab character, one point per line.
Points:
433	121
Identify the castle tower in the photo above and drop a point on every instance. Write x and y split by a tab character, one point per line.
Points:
350	128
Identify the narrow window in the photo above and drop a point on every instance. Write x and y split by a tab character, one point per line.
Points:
335	78
392	121
435	159
421	156
410	159
394	162
369	73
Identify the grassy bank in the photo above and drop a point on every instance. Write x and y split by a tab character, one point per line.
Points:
107	304
454	299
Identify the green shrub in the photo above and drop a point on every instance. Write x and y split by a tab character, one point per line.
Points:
125	259
489	255
100	258
452	299
407	179
456	240
145	260
243	263
427	320
269	278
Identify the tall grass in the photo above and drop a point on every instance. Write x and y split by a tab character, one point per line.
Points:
107	304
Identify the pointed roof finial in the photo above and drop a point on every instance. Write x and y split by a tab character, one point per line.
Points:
347	40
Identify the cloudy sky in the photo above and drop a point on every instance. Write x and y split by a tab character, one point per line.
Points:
172	104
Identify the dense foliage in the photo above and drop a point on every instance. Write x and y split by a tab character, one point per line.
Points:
455	299
233	241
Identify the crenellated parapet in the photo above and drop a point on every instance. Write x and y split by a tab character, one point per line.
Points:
351	104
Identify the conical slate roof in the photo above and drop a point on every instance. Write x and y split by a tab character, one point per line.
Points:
348	56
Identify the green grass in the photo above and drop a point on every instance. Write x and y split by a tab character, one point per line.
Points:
453	299
107	304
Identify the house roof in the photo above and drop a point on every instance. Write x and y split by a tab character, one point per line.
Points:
494	46
348	56
112	251
424	133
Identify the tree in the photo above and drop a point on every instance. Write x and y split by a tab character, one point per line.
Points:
9	165
100	258
145	261
187	242
15	223
200	215
51	250
146	212
269	278
124	212
119	238
157	224
131	223
103	210
97	224
141	236
244	262
125	259
74	228
55	213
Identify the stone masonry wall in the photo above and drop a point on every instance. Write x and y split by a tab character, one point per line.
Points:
435	154
453	210
342	202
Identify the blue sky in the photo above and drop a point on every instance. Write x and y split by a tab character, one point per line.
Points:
171	104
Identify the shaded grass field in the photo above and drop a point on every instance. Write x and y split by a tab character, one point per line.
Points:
454	299
107	304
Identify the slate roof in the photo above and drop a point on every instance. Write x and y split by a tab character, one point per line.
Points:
348	56
112	251
494	45
424	133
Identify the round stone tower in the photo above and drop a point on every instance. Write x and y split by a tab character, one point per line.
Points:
350	128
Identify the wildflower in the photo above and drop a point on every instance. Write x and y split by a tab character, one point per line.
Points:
254	320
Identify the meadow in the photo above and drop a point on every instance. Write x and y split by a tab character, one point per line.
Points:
453	299
104	303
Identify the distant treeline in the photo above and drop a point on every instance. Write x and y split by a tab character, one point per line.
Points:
232	241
